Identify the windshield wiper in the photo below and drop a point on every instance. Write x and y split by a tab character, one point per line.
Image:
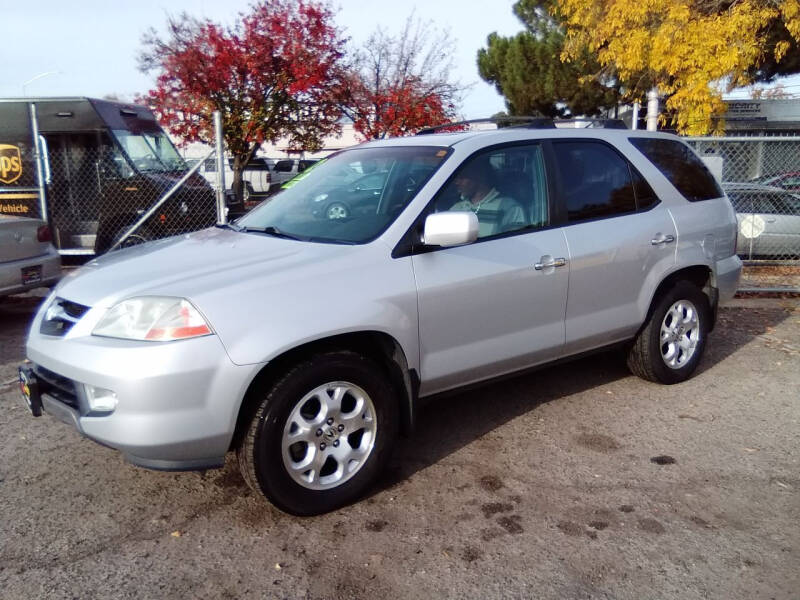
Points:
273	231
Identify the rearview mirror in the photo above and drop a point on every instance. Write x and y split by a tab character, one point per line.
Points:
450	228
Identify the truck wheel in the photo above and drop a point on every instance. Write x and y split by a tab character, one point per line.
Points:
669	347
248	193
320	434
140	236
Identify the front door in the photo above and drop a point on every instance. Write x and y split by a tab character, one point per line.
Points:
496	305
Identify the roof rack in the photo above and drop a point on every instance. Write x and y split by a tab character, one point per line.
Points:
529	122
596	123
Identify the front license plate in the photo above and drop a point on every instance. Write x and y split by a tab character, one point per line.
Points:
29	386
31	275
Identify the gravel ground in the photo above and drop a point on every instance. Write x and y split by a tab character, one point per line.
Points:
578	481
783	277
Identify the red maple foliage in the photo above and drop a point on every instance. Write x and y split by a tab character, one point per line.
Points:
397	110
396	85
271	75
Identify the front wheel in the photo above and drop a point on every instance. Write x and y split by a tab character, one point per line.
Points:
139	236
321	434
669	347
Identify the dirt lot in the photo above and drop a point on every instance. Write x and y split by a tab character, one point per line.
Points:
578	481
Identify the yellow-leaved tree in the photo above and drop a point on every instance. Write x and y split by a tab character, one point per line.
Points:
691	50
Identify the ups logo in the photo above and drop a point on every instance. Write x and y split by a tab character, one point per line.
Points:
10	163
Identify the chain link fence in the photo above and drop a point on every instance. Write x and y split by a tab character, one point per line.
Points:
761	176
97	200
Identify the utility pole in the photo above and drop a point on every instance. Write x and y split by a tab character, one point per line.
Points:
652	110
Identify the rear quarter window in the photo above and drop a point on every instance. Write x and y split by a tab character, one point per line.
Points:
681	166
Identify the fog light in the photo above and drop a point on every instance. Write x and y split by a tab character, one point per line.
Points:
100	399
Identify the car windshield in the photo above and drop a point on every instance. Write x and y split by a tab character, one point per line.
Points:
349	198
150	151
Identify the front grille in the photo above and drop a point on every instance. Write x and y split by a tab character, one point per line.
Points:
60	317
57	386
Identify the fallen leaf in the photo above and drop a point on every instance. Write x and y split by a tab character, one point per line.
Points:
176	534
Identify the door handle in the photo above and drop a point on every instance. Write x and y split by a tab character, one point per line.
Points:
662	239
771	220
549	262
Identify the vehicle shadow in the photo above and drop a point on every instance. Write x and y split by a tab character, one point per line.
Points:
16	313
447	423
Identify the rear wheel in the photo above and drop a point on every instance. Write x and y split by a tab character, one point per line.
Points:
670	346
320	434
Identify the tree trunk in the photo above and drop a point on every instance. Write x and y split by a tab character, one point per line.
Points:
237	185
240	161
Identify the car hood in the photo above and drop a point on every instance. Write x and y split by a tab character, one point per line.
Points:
189	266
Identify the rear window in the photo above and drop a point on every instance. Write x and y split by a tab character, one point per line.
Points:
596	181
678	163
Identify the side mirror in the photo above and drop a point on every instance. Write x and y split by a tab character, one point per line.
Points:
450	228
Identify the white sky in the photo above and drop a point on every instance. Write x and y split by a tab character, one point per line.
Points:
89	47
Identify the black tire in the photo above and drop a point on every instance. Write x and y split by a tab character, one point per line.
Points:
645	357
141	236
248	193
261	454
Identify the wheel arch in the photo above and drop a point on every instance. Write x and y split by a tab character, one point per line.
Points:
377	345
700	275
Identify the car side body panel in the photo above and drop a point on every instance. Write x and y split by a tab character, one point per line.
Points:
611	262
485	310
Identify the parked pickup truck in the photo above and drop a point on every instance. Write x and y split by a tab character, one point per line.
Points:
257	176
285	169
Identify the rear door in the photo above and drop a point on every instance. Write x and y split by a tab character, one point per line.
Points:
780	214
619	237
496	305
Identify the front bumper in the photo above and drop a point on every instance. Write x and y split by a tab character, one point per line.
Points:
177	402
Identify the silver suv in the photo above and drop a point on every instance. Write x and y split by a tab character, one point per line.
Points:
303	342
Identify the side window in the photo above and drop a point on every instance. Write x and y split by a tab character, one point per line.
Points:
678	163
791	182
742	201
596	181
283	166
505	188
257	164
304	164
645	196
210	165
780	204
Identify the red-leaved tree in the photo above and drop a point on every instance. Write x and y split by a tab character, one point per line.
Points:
271	75
394	86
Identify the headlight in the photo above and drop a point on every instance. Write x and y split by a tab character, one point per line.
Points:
153	319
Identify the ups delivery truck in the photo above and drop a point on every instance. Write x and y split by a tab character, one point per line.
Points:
93	169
